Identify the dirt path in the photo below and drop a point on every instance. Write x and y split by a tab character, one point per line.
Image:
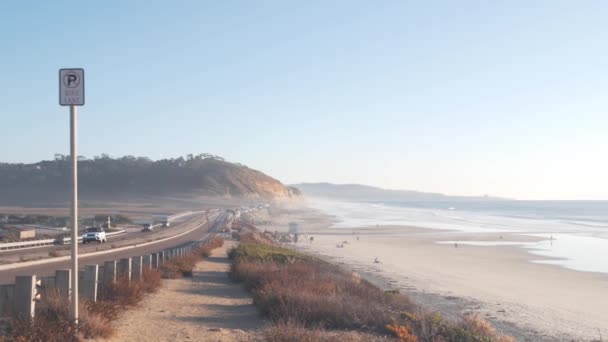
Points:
206	307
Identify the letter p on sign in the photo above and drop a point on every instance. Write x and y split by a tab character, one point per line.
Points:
71	87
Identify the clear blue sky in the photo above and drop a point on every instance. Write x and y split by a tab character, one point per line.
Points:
508	98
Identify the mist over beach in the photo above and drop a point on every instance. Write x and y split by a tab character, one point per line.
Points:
573	234
297	171
537	266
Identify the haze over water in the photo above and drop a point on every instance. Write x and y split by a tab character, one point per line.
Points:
574	233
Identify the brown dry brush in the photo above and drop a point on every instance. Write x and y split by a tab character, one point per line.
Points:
183	266
179	267
52	321
205	250
317	295
296	332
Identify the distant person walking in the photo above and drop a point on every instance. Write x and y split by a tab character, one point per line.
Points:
455	244
312	239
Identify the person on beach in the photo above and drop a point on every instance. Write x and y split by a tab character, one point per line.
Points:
312	239
455	244
376	261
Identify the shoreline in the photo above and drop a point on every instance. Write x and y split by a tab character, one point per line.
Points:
531	301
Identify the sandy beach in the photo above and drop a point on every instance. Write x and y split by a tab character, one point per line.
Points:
531	301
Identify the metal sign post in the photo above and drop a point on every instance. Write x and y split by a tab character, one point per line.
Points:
71	93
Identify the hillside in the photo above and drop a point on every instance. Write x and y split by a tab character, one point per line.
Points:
106	177
358	192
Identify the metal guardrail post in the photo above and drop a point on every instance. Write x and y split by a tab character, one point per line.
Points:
89	284
25	295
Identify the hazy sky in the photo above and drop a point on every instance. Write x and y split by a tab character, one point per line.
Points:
508	98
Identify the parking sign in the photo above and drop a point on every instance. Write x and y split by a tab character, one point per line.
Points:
71	87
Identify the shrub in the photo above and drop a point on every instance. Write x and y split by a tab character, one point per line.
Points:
52	322
402	332
124	293
52	319
179	267
296	332
205	250
288	286
151	280
265	253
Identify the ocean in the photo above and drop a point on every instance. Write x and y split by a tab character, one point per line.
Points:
574	234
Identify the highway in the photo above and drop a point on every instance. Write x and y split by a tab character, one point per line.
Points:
132	233
201	229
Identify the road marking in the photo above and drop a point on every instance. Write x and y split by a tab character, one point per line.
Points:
88	255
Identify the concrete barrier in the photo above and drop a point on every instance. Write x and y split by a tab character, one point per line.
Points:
90	281
20	299
7	300
25	295
109	273
147	262
155	259
136	268
63	283
80	282
124	268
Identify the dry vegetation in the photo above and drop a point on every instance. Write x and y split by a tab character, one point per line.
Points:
52	320
310	300
183	266
294	332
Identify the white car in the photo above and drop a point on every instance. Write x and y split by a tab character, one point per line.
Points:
95	234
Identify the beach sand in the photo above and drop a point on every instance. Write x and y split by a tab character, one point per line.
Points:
534	302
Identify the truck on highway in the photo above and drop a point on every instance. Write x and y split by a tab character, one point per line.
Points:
95	234
165	222
147	227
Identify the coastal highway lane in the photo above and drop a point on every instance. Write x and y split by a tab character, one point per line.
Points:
132	233
200	232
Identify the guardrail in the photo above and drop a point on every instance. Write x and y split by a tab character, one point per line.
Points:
45	242
48	242
20	299
185	213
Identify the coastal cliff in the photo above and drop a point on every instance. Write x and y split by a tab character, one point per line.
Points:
105	177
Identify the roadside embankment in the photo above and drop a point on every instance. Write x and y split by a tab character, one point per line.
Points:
206	306
116	300
295	291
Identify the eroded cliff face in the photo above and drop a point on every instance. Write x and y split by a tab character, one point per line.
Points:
243	181
275	189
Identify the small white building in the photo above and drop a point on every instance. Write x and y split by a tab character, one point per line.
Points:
294	228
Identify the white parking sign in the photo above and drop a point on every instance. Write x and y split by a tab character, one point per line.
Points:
71	87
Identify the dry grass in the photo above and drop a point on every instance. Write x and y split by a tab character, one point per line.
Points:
183	266
52	320
314	293
291	287
294	332
205	250
52	323
179	267
123	293
151	280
